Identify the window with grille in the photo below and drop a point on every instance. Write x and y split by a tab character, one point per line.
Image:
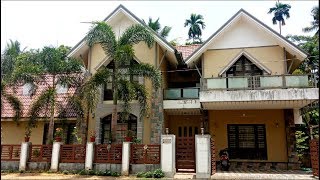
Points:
245	68
247	141
108	93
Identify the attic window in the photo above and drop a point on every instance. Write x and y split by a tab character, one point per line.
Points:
28	89
62	88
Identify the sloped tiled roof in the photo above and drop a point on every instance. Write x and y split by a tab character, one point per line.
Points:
26	100
187	50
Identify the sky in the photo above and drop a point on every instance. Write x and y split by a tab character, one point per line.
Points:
36	24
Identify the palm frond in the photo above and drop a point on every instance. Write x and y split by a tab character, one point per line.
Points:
46	97
102	33
124	54
142	95
165	31
135	34
16	104
126	94
147	70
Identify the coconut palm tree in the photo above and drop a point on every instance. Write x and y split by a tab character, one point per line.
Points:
52	67
194	23
280	11
155	25
315	22
123	68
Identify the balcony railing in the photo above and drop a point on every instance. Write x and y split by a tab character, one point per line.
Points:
258	82
181	93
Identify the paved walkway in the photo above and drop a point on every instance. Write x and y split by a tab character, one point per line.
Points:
270	174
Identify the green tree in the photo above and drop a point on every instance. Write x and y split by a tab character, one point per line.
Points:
280	11
50	66
315	23
194	23
155	25
8	58
121	53
310	45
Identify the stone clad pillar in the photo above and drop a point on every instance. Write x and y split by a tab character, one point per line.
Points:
55	156
89	155
293	159
125	158
168	155
203	156
24	155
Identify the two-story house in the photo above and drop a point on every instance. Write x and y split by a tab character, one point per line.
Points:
238	86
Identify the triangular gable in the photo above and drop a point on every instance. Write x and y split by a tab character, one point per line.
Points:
121	9
250	58
290	47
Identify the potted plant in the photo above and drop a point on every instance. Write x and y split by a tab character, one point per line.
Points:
58	134
92	136
27	134
129	137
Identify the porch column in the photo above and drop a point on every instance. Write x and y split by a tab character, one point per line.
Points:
168	155
89	155
125	158
24	155
293	159
203	156
55	156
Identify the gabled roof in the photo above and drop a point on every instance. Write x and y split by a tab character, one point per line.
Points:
162	42
242	13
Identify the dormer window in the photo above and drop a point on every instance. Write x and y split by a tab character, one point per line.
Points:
28	89
62	88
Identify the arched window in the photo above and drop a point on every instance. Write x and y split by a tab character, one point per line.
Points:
123	125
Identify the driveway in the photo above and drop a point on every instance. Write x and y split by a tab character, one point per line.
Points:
268	174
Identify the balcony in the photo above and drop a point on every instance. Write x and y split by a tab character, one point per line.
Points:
181	93
258	82
258	92
181	98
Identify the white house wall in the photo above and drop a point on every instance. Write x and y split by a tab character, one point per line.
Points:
242	34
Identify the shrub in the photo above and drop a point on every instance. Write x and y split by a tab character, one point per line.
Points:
148	174
65	172
99	173
83	172
21	171
158	173
107	173
115	174
91	172
140	174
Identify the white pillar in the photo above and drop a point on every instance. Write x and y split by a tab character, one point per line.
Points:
24	155
168	155
297	117
89	155
125	158
55	156
203	156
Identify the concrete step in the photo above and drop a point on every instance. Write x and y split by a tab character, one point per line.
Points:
185	176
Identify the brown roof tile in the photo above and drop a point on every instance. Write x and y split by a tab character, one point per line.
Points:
187	50
26	100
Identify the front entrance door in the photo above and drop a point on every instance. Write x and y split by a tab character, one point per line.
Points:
185	149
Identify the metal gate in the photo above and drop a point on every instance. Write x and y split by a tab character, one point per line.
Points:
185	154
